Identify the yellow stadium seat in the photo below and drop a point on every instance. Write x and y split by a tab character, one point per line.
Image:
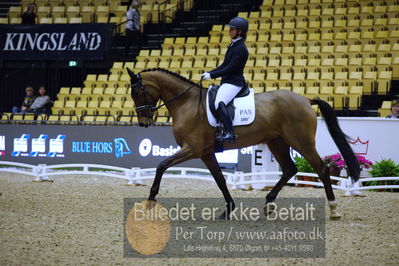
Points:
60	20
120	11
46	21
98	90
75	20
58	11
54	3
341	61
87	91
327	75
102	19
3	20
314	60
64	91
121	91
299	89
43	12
286	75
53	119
14	11
73	12
175	64
356	75
272	75
75	90
87	14
102	10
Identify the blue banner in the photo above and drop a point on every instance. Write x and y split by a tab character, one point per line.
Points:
54	41
124	146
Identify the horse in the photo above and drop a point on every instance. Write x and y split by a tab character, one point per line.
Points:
283	119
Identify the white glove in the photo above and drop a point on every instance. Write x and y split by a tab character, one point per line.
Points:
206	76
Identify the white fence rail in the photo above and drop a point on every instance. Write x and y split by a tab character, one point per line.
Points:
137	175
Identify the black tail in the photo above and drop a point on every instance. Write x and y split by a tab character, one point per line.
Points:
339	138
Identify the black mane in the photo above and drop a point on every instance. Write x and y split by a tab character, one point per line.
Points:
171	73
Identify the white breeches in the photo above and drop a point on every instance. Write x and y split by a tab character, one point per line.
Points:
226	93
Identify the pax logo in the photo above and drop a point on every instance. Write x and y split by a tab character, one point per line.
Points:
2	145
246	112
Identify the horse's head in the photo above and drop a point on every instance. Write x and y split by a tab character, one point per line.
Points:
145	95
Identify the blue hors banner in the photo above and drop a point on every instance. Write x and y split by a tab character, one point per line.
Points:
54	41
121	146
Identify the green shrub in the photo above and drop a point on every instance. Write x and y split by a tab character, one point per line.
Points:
303	165
384	168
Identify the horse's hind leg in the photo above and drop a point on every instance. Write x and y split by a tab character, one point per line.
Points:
323	172
281	151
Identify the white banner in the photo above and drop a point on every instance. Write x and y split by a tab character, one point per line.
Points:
374	138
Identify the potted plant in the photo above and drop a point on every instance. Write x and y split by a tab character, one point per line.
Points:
303	166
364	163
335	163
384	168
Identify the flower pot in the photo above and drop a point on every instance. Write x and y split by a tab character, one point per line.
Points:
305	178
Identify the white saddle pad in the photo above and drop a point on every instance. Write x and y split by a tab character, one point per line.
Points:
244	110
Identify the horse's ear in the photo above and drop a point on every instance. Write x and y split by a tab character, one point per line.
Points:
131	74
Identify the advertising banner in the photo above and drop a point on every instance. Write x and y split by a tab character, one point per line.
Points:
108	145
373	138
54	41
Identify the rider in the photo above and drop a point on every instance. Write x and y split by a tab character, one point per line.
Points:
231	71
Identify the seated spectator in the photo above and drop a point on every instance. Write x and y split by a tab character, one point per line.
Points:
28	101
29	16
394	109
40	105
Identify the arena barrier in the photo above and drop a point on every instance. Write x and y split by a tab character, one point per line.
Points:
136	175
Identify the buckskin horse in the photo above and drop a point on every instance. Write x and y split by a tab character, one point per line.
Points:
283	120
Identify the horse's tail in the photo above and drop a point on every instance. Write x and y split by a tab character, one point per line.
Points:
339	138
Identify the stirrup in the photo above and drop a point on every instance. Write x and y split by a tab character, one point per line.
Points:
226	136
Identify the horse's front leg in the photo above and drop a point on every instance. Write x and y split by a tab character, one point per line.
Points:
181	156
213	166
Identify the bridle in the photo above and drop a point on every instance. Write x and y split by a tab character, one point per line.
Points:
138	85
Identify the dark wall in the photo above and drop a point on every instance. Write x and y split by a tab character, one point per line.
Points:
16	76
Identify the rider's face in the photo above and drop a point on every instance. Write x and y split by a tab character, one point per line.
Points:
233	33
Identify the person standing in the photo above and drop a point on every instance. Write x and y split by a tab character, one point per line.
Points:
29	16
133	27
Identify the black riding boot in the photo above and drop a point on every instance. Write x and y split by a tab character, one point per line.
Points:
224	116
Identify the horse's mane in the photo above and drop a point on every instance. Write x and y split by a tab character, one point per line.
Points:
170	73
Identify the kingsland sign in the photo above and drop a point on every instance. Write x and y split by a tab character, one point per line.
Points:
54	42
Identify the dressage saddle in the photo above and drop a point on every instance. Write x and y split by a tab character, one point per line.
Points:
230	107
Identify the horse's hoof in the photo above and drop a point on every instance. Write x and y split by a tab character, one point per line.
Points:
335	216
269	209
149	204
223	217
